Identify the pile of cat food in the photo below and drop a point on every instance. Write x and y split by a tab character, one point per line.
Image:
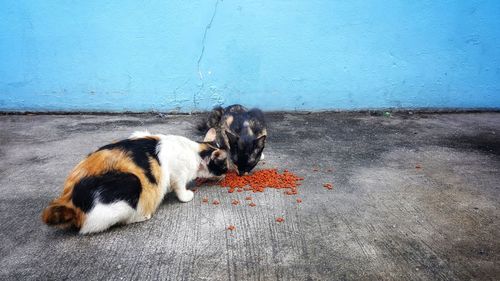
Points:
260	180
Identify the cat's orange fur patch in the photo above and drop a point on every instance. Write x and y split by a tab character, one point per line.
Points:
206	147
63	214
150	195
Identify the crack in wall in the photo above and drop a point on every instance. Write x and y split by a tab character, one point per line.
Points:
207	27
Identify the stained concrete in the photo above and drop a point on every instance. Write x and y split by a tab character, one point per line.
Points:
384	219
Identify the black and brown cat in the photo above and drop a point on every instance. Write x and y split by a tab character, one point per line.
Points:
240	131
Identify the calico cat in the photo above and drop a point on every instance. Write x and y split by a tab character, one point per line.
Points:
124	182
240	131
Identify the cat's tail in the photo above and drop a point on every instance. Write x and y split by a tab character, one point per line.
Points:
61	215
212	121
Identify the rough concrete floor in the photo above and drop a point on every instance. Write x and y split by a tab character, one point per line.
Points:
384	219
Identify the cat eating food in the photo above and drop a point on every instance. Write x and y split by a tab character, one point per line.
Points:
240	131
124	182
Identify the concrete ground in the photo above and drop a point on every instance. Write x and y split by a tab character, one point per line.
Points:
384	219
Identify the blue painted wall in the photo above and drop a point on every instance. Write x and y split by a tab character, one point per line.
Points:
192	55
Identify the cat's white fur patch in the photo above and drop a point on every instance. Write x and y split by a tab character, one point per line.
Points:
103	216
179	162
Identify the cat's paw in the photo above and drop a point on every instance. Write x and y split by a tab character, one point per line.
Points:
139	218
185	196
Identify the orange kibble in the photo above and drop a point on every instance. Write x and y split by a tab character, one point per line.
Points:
204	200
260	180
418	166
252	204
299	200
280	219
216	202
248	198
328	186
231	227
235	202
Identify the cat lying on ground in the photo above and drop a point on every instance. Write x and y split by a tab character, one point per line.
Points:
124	182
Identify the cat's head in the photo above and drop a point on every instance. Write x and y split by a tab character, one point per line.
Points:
245	151
214	160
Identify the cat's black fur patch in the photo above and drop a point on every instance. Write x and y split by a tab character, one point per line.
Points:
217	167
254	116
108	188
140	149
245	148
212	121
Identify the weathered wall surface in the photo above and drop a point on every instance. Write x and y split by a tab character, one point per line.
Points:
278	55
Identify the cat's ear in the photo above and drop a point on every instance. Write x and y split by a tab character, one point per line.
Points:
232	137
260	141
207	145
210	136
